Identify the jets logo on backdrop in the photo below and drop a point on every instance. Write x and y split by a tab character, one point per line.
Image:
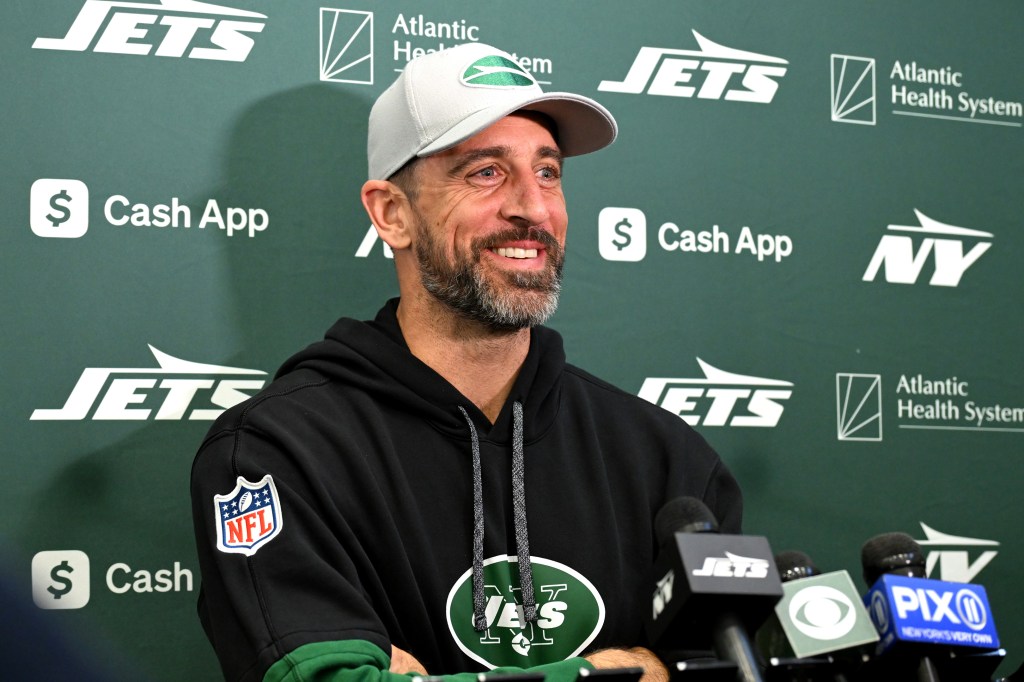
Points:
496	72
720	398
904	261
570	613
951	555
712	72
175	28
122	393
369	239
248	517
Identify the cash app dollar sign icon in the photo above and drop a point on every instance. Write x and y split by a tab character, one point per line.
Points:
59	207
59	203
621	232
62	582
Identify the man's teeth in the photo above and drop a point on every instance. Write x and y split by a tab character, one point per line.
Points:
517	253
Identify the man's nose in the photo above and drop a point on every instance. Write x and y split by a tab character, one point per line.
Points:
526	202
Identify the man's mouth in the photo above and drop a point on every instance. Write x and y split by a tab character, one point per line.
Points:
510	252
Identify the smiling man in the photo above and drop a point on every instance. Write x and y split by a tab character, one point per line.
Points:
437	490
478	235
514	193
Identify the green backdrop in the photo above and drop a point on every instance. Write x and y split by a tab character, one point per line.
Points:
804	241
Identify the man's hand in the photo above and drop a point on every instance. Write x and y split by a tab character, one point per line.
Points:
637	657
403	662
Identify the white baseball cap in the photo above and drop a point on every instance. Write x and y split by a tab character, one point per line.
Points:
446	97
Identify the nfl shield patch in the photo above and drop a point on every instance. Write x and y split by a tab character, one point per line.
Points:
248	517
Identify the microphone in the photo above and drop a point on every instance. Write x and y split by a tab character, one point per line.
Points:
1016	676
710	590
794	565
931	626
820	615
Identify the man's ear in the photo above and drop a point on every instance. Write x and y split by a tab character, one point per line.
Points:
387	206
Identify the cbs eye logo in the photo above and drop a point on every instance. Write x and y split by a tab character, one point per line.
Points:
822	612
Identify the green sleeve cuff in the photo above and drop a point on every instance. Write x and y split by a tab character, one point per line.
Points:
360	661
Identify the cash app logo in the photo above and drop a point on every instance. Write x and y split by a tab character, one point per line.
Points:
622	234
60	579
496	72
59	208
570	613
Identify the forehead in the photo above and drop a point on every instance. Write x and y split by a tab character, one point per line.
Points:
525	132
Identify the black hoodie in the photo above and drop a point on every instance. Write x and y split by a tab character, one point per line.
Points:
334	514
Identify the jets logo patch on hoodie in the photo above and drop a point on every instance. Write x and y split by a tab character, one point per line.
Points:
570	613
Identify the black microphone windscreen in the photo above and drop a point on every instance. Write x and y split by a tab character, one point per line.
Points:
683	515
895	553
794	565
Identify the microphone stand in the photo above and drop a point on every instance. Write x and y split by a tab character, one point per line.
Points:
733	644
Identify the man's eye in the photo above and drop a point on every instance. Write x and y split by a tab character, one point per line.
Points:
549	173
488	172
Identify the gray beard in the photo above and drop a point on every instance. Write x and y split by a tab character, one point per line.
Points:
509	301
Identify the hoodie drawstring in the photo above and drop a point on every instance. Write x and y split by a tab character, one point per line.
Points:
519	515
519	512
479	615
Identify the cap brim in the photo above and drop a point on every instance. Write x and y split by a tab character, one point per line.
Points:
584	126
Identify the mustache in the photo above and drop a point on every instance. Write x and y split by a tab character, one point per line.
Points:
513	234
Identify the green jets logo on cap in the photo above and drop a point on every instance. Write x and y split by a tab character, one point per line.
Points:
570	613
496	72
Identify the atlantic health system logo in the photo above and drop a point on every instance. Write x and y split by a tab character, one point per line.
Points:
350	53
946	403
915	89
853	90
859	407
346	46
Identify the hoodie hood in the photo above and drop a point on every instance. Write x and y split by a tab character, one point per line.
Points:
373	355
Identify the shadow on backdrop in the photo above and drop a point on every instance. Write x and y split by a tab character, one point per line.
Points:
300	155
